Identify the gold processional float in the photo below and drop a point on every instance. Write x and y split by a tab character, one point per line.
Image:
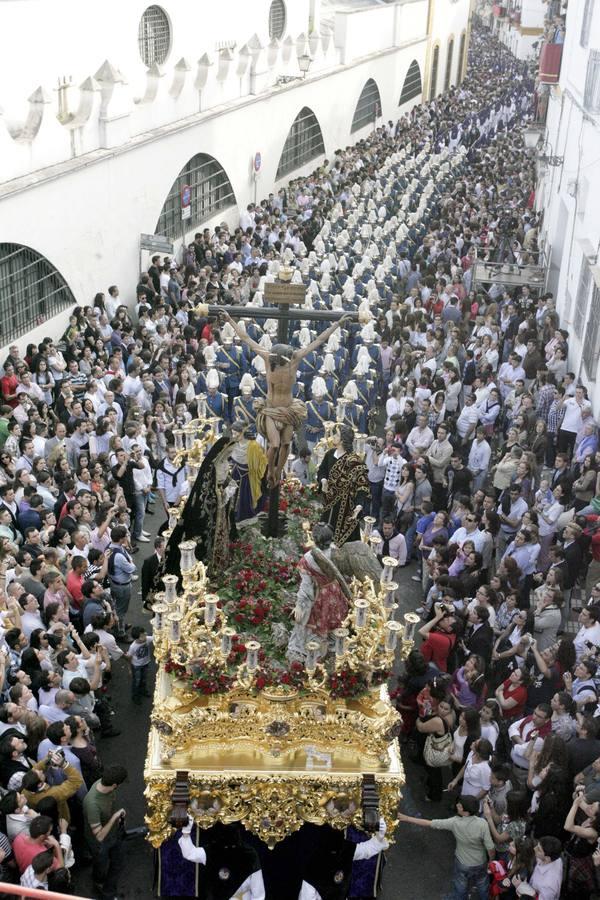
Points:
275	757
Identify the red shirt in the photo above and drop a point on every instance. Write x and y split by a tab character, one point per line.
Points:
436	648
516	692
74	584
25	850
9	383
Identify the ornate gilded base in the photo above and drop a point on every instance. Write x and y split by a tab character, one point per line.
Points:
270	800
271	761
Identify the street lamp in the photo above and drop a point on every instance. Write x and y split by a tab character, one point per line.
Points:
532	138
304	62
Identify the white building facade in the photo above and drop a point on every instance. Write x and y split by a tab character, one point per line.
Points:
568	191
117	107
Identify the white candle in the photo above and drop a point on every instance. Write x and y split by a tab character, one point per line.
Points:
411	620
312	649
252	648
389	564
360	612
392	630
188	555
174	619
210	609
390	590
159	610
340	635
170	583
227	635
369	523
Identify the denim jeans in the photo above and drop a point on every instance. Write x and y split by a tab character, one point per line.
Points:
138	513
139	685
121	594
409	537
107	864
466	877
376	492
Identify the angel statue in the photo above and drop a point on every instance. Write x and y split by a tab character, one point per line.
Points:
323	597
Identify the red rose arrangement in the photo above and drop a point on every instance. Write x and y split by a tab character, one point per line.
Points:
347	684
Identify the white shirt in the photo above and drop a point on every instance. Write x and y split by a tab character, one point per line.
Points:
479	456
419	439
461	535
573	420
107	640
468	417
591	634
517	754
476	777
547	879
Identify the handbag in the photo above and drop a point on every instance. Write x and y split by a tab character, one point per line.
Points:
437	750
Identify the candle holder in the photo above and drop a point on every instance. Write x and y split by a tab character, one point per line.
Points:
289	463
188	556
411	620
211	602
170	583
361	443
173	516
227	635
340	411
375	541
202	406
341	636
160	610
178	434
390	588
369	523
389	565
392	632
360	612
190	436
312	655
389	612
252	648
174	619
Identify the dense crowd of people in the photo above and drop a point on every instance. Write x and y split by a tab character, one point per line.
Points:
484	474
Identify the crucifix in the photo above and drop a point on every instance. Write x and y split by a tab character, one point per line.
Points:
281	414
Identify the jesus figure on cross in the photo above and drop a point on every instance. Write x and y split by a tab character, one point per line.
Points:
281	414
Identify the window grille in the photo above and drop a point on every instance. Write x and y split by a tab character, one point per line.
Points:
591	344
434	73
154	36
412	83
368	107
31	291
461	58
586	23
277	19
304	142
583	292
210	190
591	99
448	77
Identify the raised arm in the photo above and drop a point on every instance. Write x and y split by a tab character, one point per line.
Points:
243	336
300	354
